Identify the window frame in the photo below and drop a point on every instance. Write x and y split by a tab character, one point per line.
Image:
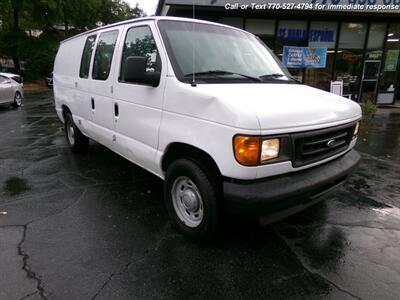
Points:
122	54
112	56
91	56
6	80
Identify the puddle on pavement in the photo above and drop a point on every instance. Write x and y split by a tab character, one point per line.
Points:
390	211
15	186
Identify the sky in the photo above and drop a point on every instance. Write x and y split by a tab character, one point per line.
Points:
149	6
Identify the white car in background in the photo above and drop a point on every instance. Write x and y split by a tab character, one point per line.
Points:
15	77
11	89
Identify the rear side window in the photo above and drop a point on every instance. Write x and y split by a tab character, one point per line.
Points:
139	41
104	54
86	55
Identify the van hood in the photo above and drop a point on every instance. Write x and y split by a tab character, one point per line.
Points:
282	106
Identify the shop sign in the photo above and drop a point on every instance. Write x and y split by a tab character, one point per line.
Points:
292	34
321	35
304	57
350	56
374	55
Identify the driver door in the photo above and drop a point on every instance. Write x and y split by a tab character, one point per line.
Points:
137	106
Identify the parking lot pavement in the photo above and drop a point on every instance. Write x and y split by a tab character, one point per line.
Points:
94	226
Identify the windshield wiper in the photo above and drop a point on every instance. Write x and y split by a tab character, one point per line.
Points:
220	72
277	76
273	76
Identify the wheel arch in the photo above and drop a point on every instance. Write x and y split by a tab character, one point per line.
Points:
65	110
177	150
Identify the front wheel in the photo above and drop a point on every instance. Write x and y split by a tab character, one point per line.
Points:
77	141
191	197
17	100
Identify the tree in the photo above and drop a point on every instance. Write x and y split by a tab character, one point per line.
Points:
19	18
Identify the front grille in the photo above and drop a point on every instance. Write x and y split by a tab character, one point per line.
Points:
317	145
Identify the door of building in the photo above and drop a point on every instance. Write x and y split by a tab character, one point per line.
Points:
388	83
369	80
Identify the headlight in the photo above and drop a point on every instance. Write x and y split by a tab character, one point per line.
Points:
270	149
356	129
256	150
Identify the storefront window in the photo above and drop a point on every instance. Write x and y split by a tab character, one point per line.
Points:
372	62
352	35
234	22
322	34
376	36
390	71
291	33
264	29
349	57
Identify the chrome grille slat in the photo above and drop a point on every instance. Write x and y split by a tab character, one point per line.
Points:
341	143
326	140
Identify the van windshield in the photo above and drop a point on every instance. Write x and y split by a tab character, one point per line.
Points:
217	54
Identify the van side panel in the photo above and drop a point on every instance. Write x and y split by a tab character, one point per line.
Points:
101	89
66	70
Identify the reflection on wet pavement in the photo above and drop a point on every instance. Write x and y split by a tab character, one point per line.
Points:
94	226
380	135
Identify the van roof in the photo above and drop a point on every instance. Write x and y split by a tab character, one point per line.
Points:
155	18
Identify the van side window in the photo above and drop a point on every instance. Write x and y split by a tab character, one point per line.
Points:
104	54
139	41
86	56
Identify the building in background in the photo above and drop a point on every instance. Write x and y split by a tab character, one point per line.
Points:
362	46
6	64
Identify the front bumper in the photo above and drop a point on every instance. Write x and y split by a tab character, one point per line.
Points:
278	193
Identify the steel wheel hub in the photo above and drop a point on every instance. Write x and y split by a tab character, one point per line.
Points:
187	201
190	201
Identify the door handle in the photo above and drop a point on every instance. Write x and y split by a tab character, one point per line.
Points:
76	84
116	110
92	102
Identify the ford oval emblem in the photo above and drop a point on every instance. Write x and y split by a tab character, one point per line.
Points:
331	143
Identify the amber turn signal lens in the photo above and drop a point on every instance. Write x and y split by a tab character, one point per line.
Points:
247	149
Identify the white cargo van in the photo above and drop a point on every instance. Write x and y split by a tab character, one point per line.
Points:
209	109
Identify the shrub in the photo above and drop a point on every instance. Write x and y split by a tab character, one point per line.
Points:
368	108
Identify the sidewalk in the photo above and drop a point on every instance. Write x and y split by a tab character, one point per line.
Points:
35	86
395	109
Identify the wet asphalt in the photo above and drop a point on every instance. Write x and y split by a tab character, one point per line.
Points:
94	226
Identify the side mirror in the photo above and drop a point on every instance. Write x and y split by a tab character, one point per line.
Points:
135	71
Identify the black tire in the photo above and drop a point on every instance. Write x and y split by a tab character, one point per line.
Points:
17	100
76	140
209	192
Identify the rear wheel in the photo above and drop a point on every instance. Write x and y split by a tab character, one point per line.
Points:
191	197
17	100
77	141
